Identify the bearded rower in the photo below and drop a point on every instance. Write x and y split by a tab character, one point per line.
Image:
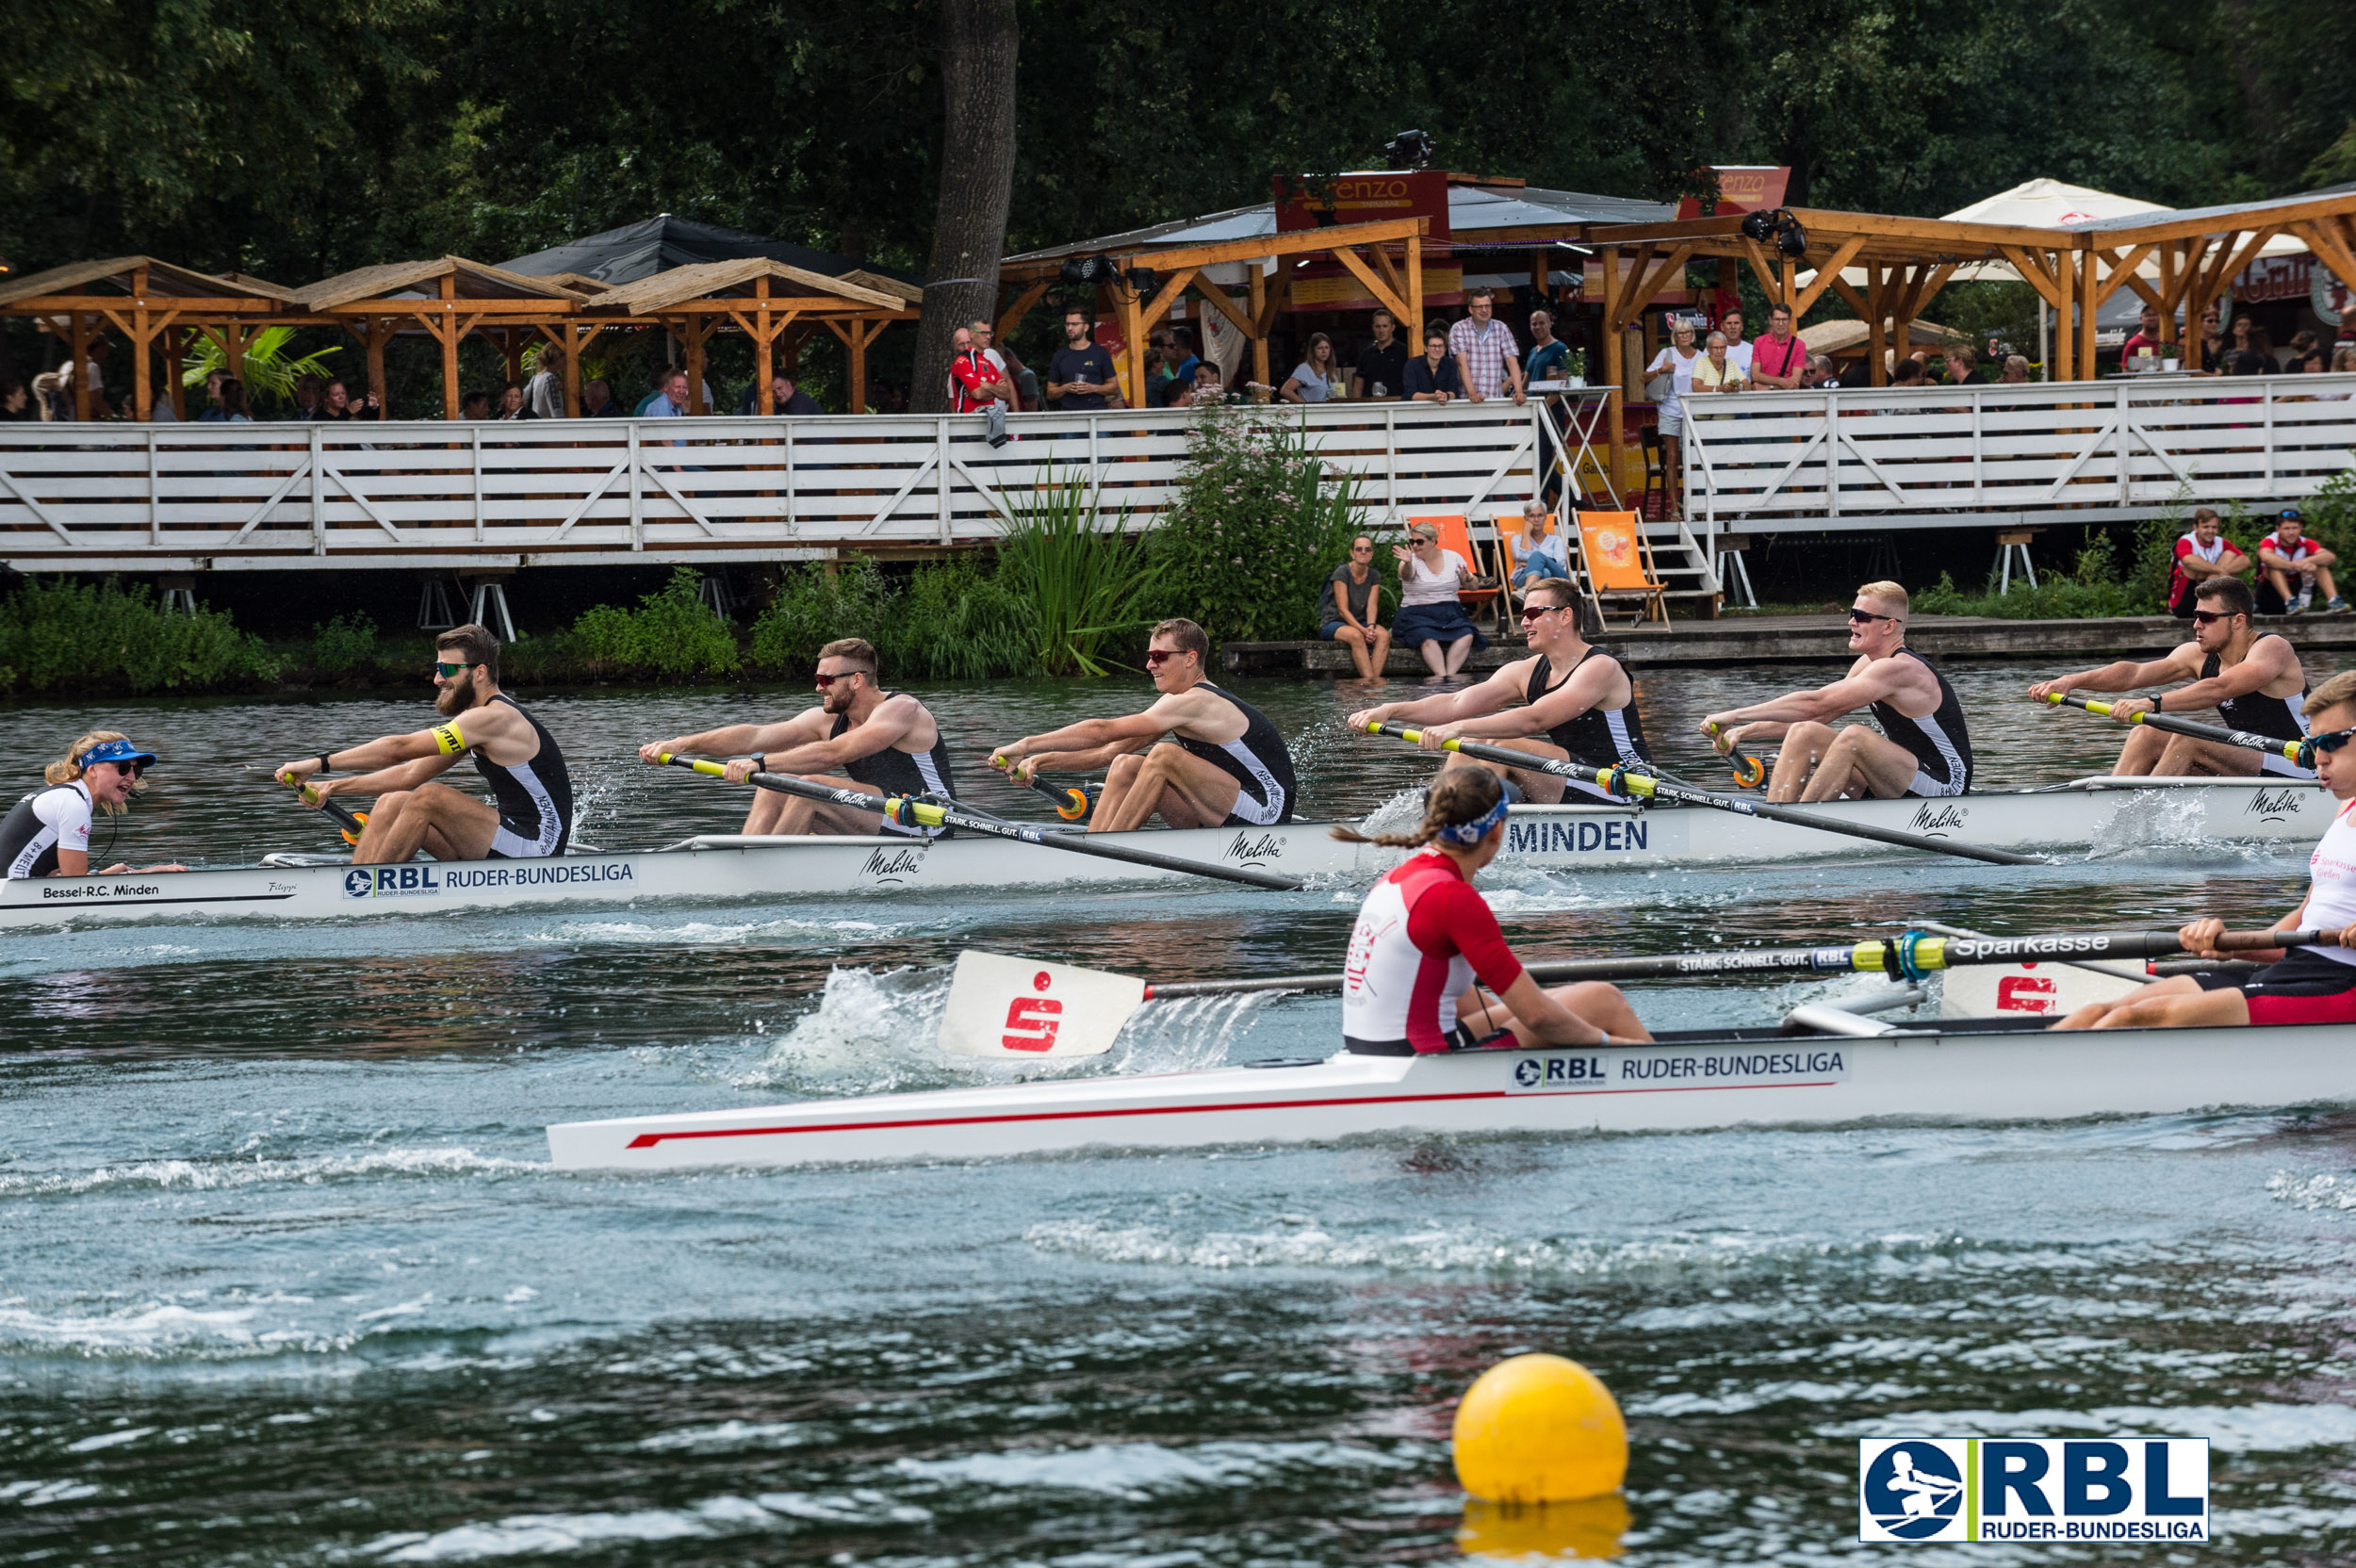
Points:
858	736
1570	701
1223	765
2255	683
517	756
1923	749
47	832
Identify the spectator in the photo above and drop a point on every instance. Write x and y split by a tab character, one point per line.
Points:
229	396
976	381
1716	371
1154	372
1382	370
159	411
1022	386
2303	343
2015	370
1177	393
475	406
1549	357
2249	337
16	402
2292	566
544	394
2344	360
1318	377
1436	377
213	413
1206	387
1908	371
1431	618
596	402
1820	374
2204	552
335	405
1676	362
670	399
2245	362
1182	356
309	391
2146	337
1779	360
512	404
2212	337
1486	356
1350	611
784	399
1542	555
1738	352
1081	376
1963	367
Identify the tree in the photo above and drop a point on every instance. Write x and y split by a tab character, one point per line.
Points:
978	45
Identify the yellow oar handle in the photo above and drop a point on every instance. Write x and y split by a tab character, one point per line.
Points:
1610	780
899	809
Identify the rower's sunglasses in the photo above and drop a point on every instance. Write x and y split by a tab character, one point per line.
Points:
1861	617
450	672
2330	740
826	681
2210	617
130	770
1155	658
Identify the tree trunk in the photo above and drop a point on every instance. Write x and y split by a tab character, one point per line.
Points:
978	45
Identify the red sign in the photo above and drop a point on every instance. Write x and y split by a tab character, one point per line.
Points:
1742	188
2270	278
1326	200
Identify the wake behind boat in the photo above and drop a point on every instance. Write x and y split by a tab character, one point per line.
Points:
2099	813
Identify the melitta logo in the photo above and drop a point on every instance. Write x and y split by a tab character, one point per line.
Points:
1935	818
391	882
2274	805
1250	851
2033	1489
891	865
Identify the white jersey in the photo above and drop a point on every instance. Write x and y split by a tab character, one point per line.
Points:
2331	891
44	822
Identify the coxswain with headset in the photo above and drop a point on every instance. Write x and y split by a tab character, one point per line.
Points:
515	753
860	735
1425	933
1571	701
2299	984
2255	683
47	833
1223	765
1922	750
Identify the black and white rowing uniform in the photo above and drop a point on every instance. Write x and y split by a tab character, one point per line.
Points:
1257	760
53	818
2277	718
534	798
895	771
1939	742
1600	736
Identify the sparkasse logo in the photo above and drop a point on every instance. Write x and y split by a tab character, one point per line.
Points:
2078	1489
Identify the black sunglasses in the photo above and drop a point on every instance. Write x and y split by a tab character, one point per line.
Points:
826	681
1532	611
2206	617
1859	618
450	672
2330	740
132	769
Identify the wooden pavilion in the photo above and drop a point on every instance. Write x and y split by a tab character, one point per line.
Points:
766	300
447	297
157	306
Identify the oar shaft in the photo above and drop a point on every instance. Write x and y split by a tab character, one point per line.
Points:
1622	781
344	815
919	814
2270	744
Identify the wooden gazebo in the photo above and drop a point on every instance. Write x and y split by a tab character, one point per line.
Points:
448	296
155	305
766	300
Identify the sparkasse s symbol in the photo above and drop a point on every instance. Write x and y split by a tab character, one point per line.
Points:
2076	1489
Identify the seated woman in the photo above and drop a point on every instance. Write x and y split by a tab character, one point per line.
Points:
1350	611
47	832
1424	932
2304	985
1431	619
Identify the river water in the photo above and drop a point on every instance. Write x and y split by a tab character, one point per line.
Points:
284	1277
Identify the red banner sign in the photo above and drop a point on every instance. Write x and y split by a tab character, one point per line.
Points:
1326	200
1743	188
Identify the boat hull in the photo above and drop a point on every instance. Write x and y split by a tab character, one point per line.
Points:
1967	1073
1578	838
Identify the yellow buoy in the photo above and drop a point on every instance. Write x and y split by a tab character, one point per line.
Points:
1589	1529
1539	1429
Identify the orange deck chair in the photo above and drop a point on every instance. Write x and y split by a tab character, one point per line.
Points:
1455	536
1615	562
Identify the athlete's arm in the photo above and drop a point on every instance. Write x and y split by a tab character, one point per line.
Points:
739	740
1590	687
2265	665
393	762
1453	915
1489	696
1880	679
2125	675
2199	937
1111	737
887	726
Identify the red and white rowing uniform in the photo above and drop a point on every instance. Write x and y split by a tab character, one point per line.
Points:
1422	935
2312	985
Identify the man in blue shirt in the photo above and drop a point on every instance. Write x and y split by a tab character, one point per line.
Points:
1181	367
1081	374
1542	554
1547	352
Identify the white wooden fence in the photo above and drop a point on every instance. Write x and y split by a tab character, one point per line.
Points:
121	496
1976	456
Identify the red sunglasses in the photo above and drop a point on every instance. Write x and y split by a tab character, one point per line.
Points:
1156	657
826	681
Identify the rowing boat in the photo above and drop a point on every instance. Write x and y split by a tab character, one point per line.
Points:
2105	813
1969	1070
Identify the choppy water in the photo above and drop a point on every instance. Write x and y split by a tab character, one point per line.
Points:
284	1277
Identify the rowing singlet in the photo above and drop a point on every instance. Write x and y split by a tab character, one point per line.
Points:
1939	742
534	798
902	773
56	816
2277	718
1421	937
1258	763
1600	736
2331	885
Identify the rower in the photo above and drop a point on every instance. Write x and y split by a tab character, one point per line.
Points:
47	832
1223	765
2254	681
1424	932
1923	749
1570	701
515	753
2304	985
858	735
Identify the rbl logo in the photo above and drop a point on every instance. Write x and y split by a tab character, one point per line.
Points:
1031	1020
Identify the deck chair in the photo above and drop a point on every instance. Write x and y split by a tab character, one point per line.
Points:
1615	562
1455	536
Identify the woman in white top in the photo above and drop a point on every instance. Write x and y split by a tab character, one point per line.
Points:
1677	362
1714	372
1429	618
1318	377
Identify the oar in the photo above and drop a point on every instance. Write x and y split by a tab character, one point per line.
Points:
352	821
907	812
1749	772
1622	782
2273	745
1072	804
1005	1006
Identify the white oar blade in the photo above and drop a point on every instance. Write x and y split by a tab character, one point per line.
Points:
1021	1009
1993	990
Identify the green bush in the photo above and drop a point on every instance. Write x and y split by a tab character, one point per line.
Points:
2091	589
813	607
672	633
344	645
958	620
1084	581
62	635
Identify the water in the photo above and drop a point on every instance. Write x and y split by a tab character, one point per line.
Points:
284	1277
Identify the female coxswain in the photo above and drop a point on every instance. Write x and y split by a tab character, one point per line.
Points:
1425	933
47	833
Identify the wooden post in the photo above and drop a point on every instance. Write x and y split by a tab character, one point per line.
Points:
143	344
175	350
2065	325
374	330
1877	339
1901	310
764	397
2089	292
78	344
449	335
1259	321
1132	333
1612	285
2196	300
1414	294
511	347
233	349
859	338
576	339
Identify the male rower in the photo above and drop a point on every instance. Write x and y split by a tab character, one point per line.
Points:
2253	682
2301	984
533	814
859	736
1569	700
1923	749
1223	765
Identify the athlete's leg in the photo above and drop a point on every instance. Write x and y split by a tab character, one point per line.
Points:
1860	762
1458	652
1545	789
2180	1010
1185	790
1119	778
1604	1005
797	815
1803	744
2093	1013
768	808
382	818
438	819
2141	755
2187	758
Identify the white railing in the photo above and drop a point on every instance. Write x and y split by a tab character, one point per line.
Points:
114	496
1976	456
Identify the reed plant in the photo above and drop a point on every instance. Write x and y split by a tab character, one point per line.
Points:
1082	578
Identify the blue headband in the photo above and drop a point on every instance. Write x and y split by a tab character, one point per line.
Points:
1470	833
114	751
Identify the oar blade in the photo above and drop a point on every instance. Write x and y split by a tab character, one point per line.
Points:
1022	1009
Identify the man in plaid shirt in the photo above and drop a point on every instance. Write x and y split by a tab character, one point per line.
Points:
1486	350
